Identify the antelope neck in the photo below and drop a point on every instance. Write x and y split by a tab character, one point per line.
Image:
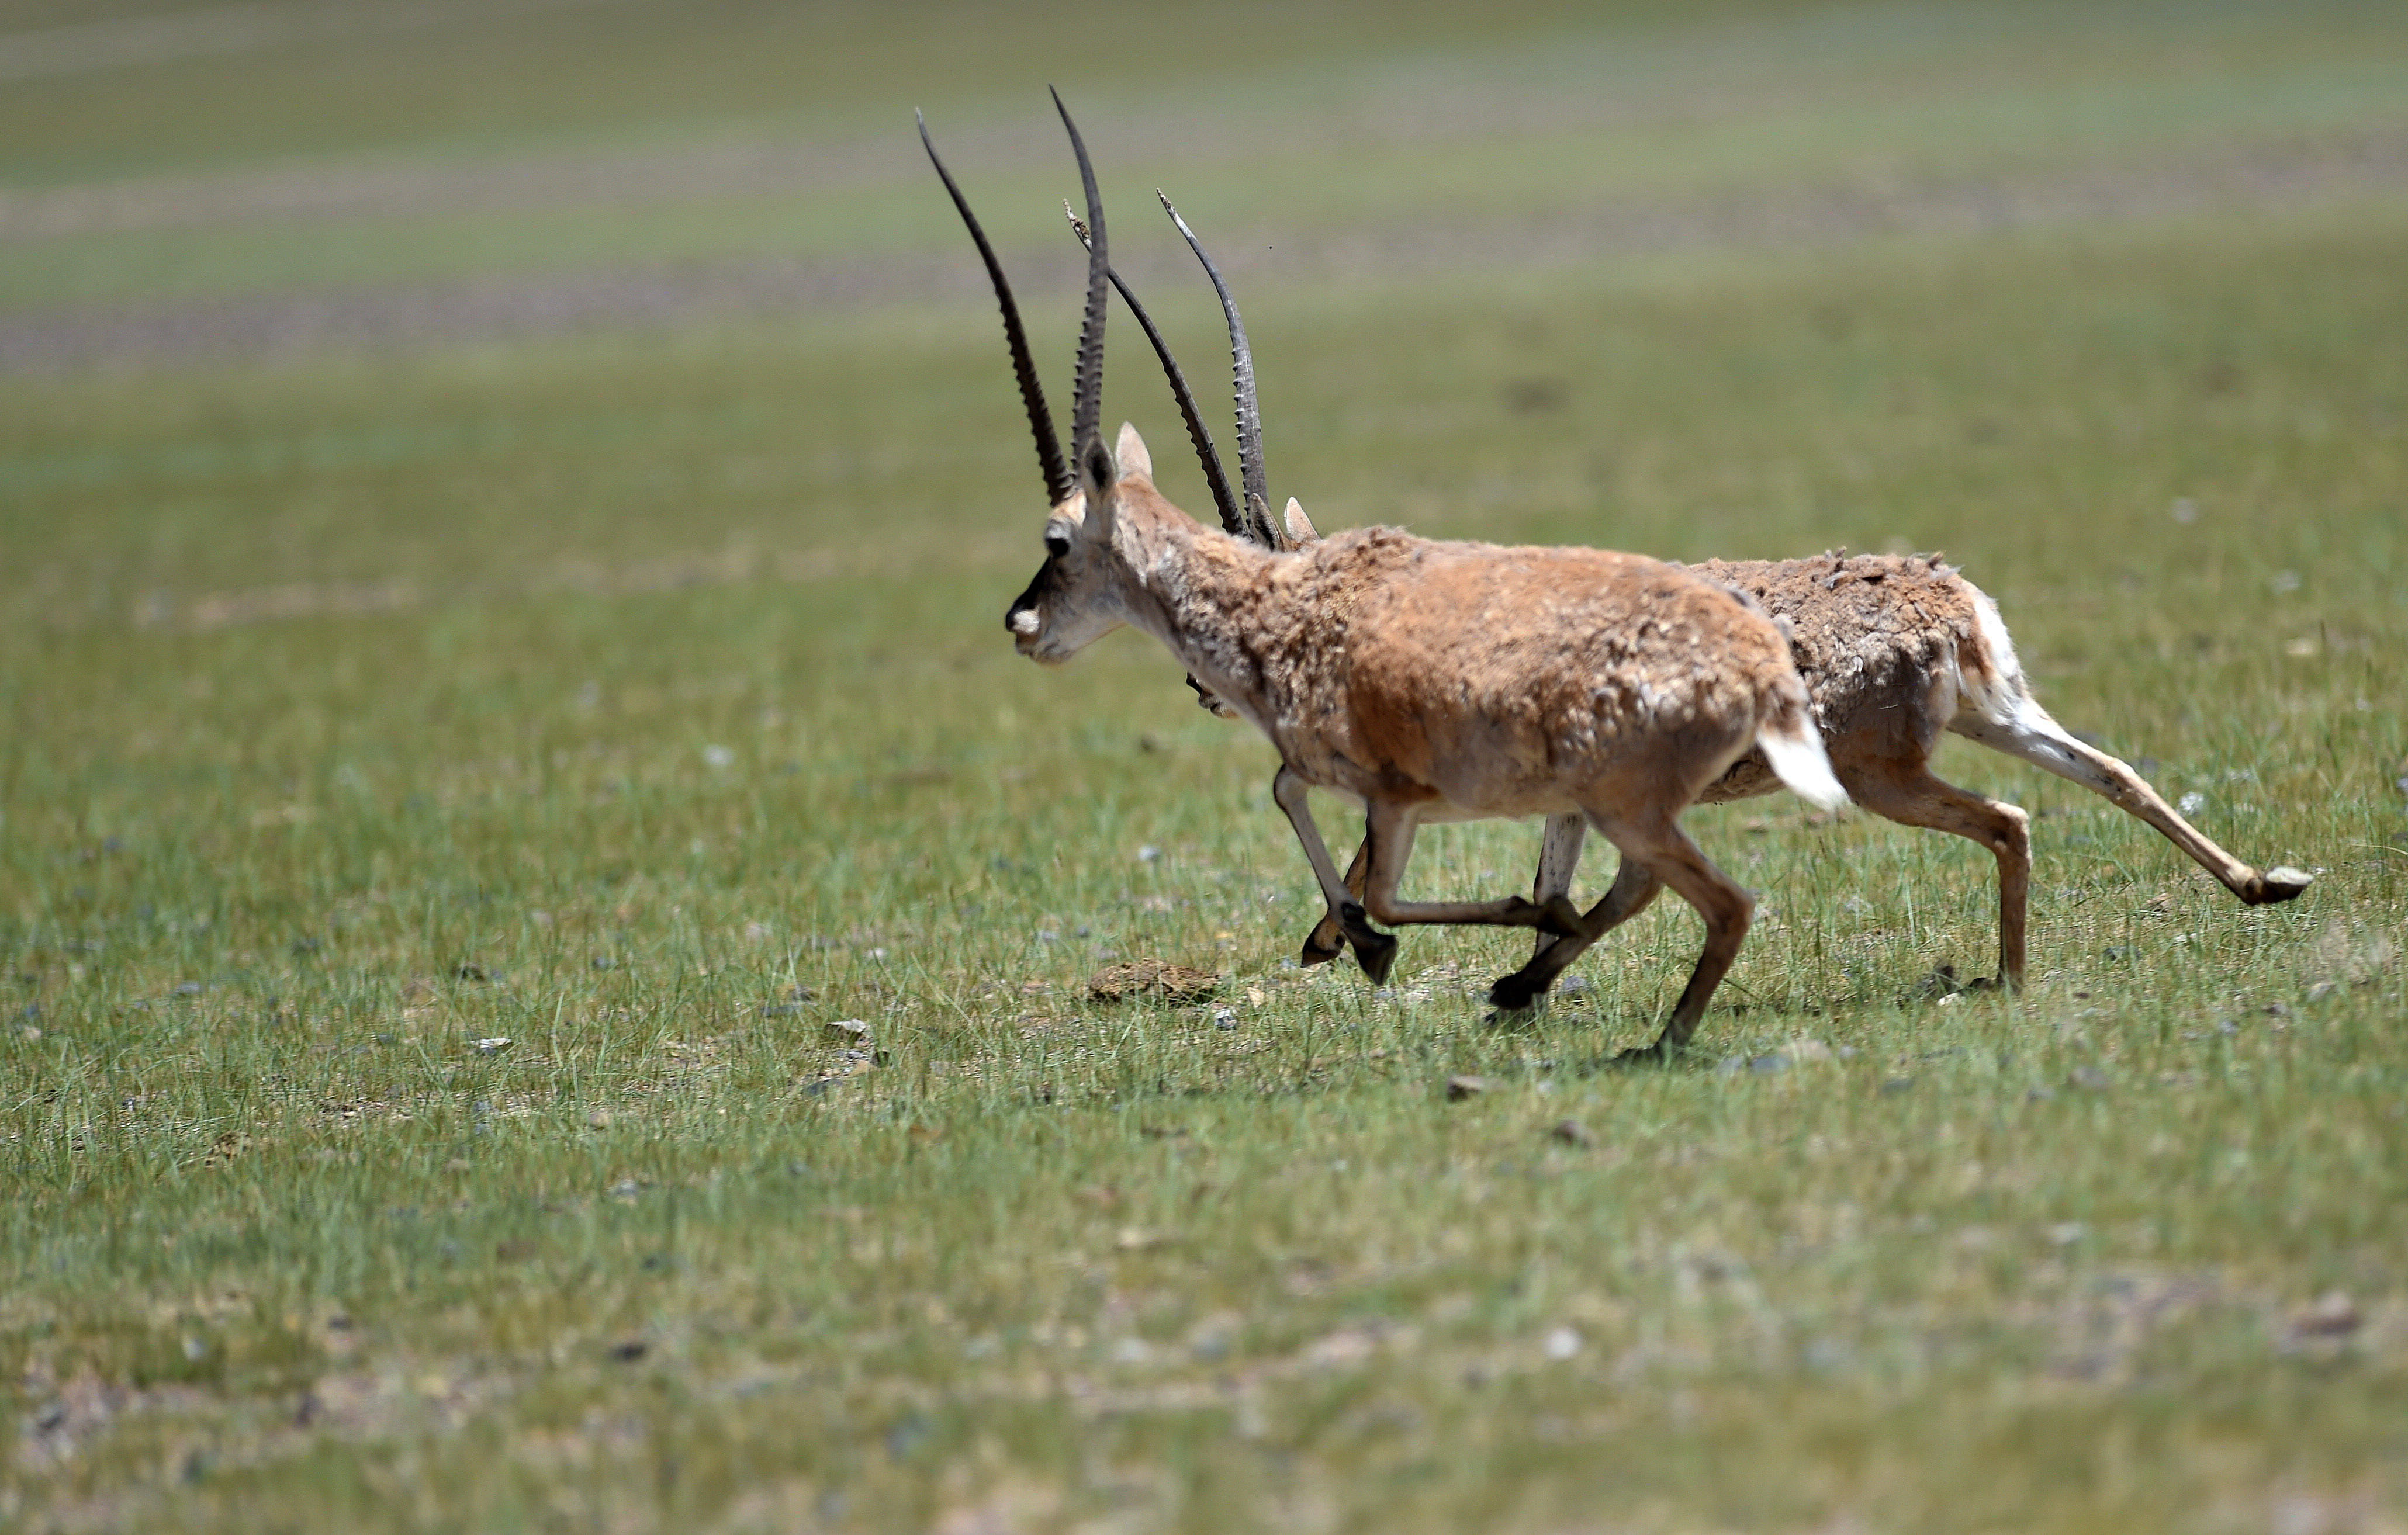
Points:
1204	594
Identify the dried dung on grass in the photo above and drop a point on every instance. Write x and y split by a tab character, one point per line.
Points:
1152	977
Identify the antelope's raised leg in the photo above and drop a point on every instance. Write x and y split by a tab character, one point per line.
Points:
1389	828
1909	794
1327	940
1634	888
1374	949
2044	743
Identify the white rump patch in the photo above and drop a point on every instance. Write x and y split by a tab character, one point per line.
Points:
1994	686
1798	760
1998	710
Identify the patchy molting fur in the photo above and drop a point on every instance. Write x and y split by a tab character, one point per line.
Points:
1897	650
1886	643
1434	681
1491	680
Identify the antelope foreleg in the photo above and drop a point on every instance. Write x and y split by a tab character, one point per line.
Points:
1327	939
1558	856
1909	794
1374	949
1389	830
1559	851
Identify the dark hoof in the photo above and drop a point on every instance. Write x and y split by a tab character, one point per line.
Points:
2281	883
1644	1055
1375	950
1516	993
1377	953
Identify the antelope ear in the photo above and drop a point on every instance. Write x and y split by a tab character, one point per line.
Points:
1098	474
1299	527
1135	462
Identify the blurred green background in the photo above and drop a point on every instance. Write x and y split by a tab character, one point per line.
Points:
506	512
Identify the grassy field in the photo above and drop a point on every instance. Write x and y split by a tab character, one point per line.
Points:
504	520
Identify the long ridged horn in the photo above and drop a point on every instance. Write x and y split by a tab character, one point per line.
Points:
1087	403
1233	518
1249	413
1058	483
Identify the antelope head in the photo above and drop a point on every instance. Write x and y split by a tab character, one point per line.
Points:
1073	600
1068	604
1077	595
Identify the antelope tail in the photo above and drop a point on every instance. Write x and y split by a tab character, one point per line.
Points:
1784	728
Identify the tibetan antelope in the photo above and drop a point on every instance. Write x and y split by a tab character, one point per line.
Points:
1895	649
1426	681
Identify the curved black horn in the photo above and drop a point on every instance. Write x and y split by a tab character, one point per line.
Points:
1087	403
1241	368
1058	483
1233	518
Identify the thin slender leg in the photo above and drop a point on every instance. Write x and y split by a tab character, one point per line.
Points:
1665	851
1375	950
1558	856
1909	794
1389	828
1559	851
2040	741
1633	890
1327	940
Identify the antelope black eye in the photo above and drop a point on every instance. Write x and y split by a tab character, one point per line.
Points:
1057	545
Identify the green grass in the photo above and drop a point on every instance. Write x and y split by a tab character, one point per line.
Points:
639	697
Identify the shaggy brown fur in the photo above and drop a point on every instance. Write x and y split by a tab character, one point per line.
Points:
1876	639
1439	681
1895	649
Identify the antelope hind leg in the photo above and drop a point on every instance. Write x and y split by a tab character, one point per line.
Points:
1634	888
1911	795
2039	740
1666	853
